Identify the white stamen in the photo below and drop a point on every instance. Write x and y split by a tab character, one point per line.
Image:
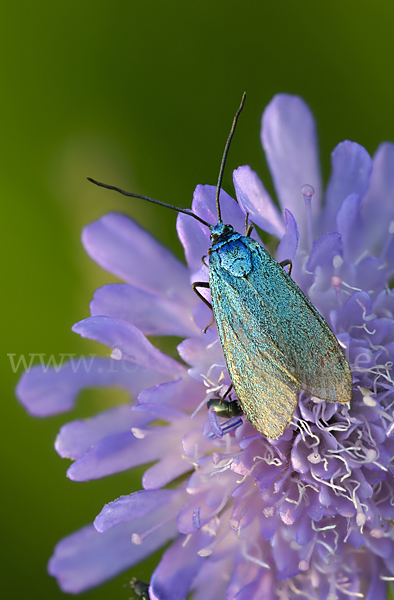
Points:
337	261
303	565
299	592
207	551
377	533
188	537
317	400
256	561
200	406
390	429
314	458
138	433
307	191
360	519
269	511
349	593
336	282
117	354
370	455
368	400
138	538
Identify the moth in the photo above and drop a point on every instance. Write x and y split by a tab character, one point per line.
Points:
274	341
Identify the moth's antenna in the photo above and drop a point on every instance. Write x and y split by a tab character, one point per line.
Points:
225	153
186	211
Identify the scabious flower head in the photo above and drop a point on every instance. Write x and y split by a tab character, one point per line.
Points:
309	515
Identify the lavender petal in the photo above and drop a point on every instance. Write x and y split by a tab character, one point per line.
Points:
114	240
87	558
133	345
47	391
351	227
351	171
289	243
78	437
177	569
377	207
255	200
133	507
150	313
289	139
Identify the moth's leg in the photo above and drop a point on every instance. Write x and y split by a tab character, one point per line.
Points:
286	262
248	226
249	230
203	284
203	261
230	387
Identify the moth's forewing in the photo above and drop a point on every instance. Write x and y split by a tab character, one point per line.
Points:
274	341
267	393
311	350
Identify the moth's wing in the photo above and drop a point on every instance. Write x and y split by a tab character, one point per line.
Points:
310	349
322	368
267	391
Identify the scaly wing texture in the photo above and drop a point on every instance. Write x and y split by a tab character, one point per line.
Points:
311	349
267	393
274	342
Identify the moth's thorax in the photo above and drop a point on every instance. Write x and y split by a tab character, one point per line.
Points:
230	250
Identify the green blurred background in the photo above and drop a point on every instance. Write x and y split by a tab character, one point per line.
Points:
139	94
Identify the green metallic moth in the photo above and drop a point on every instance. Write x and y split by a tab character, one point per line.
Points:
274	341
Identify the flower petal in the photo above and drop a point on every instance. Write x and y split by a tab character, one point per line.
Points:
262	587
211	581
177	569
371	274
134	348
87	558
377	207
114	454
351	227
202	353
194	236
286	558
163	413
47	391
377	589
184	393
204	205
170	466
150	313
78	437
323	252
351	168
255	200
290	240
289	139
133	507
114	242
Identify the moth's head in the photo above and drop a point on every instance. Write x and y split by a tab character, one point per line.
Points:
220	232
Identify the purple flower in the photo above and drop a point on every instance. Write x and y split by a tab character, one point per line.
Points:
308	515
